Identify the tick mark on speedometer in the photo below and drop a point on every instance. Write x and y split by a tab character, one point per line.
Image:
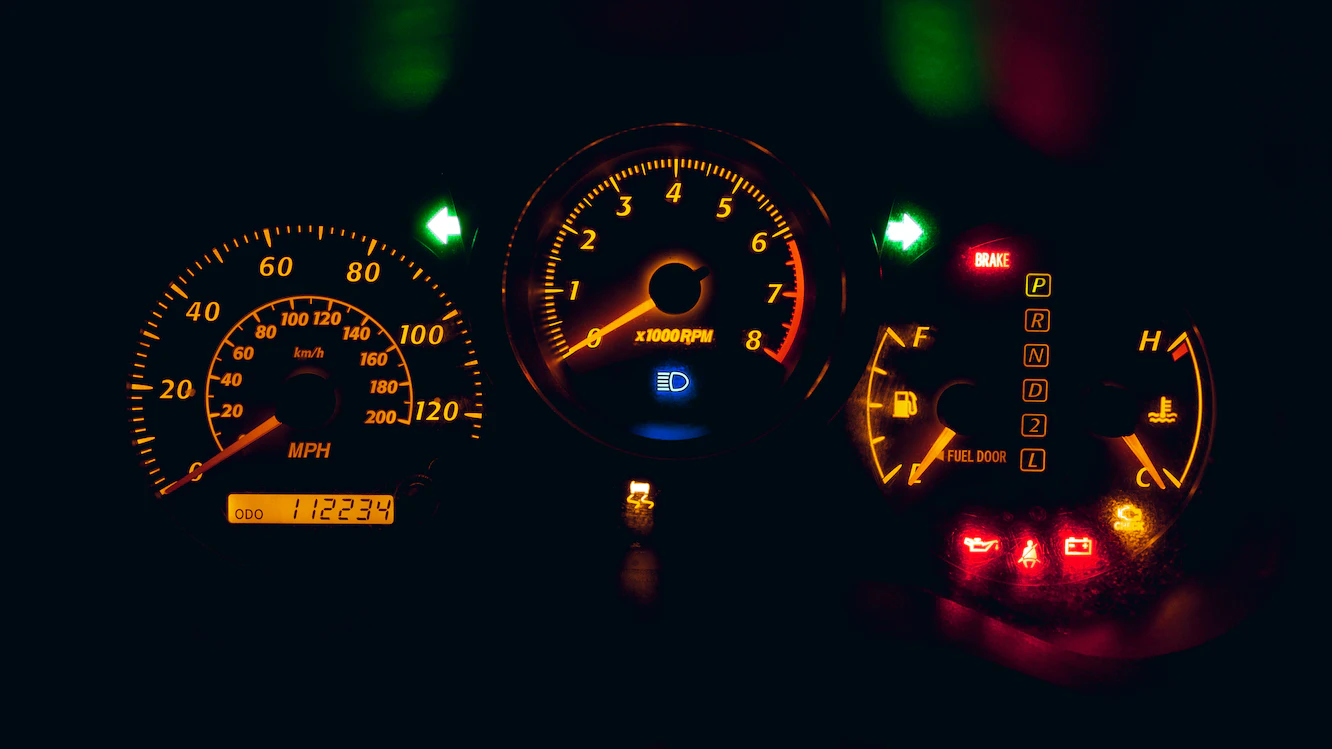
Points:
657	212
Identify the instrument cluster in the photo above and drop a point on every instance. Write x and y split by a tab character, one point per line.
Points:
671	323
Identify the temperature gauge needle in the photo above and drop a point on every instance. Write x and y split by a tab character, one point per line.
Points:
940	443
245	441
1132	441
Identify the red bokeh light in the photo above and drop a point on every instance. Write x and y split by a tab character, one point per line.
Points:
976	544
991	259
1081	550
1030	557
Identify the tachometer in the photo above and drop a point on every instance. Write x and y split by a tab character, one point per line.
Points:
664	286
301	375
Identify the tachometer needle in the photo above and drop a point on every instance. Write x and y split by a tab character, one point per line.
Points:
245	441
642	309
940	443
1132	441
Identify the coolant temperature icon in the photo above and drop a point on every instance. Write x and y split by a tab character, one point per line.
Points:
1165	415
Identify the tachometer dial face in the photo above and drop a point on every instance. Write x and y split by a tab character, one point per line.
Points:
662	287
301	375
1045	433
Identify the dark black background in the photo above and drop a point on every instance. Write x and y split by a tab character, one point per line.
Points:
148	133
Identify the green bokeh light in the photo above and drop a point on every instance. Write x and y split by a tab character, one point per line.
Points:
932	49
401	51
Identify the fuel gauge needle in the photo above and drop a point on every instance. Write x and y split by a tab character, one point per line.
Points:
1132	441
940	443
245	441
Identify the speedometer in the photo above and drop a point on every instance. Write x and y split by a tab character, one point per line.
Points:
301	375
664	287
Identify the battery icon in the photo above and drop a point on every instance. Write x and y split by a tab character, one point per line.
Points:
1077	547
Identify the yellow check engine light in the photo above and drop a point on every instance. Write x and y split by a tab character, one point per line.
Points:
1044	434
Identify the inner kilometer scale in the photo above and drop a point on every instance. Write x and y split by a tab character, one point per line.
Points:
301	375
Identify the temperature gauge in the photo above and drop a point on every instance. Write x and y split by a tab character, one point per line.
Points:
1046	433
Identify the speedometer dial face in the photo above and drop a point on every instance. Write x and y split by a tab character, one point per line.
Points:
662	287
301	375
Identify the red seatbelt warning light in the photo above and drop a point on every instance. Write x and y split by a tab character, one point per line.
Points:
1030	556
988	259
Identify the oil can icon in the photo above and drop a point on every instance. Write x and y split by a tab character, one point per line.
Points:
904	404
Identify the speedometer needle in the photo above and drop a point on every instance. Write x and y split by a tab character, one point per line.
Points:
940	443
1132	441
642	309
245	441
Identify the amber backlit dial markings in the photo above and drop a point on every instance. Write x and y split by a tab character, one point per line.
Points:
301	374
772	235
1135	446
940	442
1020	411
242	442
665	303
307	394
608	328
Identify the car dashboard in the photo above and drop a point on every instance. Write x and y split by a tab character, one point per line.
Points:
812	364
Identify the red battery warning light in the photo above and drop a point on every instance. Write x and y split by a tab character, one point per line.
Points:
1078	547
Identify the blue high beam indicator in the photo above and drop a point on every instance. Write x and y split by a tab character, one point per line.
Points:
673	384
672	381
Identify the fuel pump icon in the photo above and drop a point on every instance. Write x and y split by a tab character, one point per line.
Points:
904	404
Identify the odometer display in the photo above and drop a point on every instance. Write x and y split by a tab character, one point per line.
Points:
662	287
310	509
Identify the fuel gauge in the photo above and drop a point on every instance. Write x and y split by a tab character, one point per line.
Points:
1046	431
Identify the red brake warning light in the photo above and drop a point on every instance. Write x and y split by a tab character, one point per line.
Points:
991	259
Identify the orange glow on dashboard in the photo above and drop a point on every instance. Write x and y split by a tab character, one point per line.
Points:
310	509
